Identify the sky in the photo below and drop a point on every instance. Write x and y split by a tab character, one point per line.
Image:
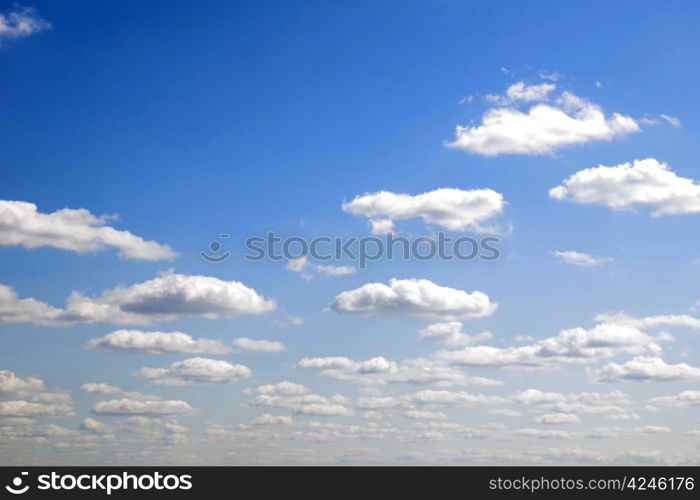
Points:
135	135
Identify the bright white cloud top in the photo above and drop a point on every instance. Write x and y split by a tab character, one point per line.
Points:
646	182
166	297
414	298
451	208
127	406
77	230
543	128
138	341
643	368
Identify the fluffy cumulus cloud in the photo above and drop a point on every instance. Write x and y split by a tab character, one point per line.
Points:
125	406
573	345
195	371
646	182
20	23
259	345
414	298
453	209
558	419
30	398
167	297
543	128
643	368
77	230
682	399
137	341
381	371
450	334
580	259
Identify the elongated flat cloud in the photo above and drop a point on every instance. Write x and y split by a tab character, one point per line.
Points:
259	345
613	405
21	23
580	259
682	399
453	209
646	182
77	230
127	406
414	298
196	371
558	419
543	128
138	341
166	297
644	368
575	345
380	371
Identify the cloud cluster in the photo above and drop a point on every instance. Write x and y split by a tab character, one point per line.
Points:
628	185
167	297
77	230
414	298
451	208
138	341
543	128
33	400
196	371
573	345
151	407
381	371
300	400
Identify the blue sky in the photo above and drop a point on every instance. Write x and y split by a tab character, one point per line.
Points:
190	122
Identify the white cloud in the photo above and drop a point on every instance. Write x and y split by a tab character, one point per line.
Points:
72	229
622	187
505	412
20	23
580	259
433	397
682	399
302	264
520	91
196	371
450	334
558	419
644	368
380	371
268	419
259	345
101	388
543	128
166	297
22	408
329	270
414	298
672	120
138	341
300	400
613	405
573	345
453	209
11	384
425	414
127	406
